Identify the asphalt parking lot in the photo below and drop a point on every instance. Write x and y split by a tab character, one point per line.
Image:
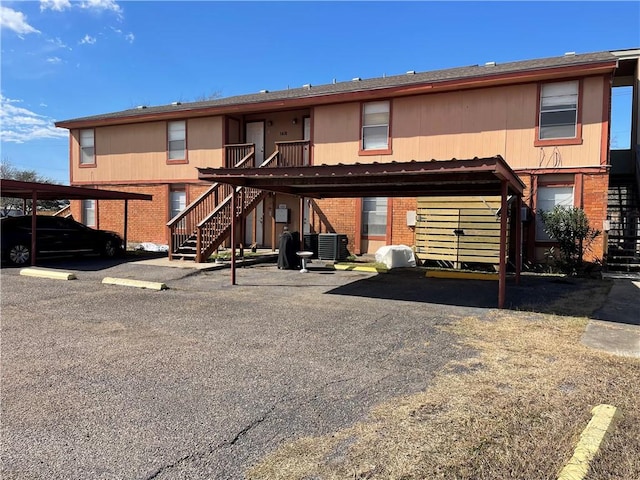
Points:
201	380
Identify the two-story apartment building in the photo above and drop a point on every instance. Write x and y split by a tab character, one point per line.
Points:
548	118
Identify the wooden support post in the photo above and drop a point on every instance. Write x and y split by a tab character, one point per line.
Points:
518	246
233	236
301	227
502	287
242	219
126	223
273	222
34	228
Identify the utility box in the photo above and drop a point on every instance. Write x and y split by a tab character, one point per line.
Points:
282	214
332	246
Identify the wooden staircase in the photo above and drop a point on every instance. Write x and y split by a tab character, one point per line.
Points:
623	249
198	231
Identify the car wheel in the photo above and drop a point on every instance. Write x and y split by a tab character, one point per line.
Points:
110	249
19	254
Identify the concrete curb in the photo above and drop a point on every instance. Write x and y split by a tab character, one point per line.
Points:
601	424
357	268
128	282
46	273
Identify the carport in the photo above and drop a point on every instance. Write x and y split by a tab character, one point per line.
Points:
47	191
477	176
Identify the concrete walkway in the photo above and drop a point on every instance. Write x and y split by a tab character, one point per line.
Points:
616	325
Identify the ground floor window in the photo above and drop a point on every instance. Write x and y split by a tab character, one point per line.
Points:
89	213
374	216
178	202
547	199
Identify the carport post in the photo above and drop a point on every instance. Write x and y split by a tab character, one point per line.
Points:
301	227
233	235
502	288
518	238
126	213
34	208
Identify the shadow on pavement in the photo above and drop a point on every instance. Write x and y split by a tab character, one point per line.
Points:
542	294
90	263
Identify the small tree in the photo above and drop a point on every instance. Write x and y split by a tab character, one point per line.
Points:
569	226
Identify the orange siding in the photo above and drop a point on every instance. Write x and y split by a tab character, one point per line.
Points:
134	153
465	124
281	129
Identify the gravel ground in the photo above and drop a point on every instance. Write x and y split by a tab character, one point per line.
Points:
201	380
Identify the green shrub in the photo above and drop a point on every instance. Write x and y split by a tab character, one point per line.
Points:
569	226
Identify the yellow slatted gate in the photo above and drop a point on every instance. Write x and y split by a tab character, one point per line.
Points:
457	230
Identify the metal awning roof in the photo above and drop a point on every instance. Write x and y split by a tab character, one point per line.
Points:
477	176
49	191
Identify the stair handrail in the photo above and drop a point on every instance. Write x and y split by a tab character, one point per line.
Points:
213	187
240	164
192	205
274	160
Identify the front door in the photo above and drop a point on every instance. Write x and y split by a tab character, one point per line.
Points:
254	133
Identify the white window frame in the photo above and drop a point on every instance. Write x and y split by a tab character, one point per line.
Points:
547	198
556	99
89	217
177	140
378	212
376	118
87	147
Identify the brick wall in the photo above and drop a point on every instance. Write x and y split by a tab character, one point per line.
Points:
335	215
594	200
401	234
146	219
340	215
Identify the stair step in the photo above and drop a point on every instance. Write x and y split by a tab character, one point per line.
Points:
184	256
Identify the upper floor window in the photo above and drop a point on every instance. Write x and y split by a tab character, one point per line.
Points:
558	110
87	149
177	135
375	126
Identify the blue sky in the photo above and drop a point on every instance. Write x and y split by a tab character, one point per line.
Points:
64	59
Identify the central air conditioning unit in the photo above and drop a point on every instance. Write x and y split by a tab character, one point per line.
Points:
332	246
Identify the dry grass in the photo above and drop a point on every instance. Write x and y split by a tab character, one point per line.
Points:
515	411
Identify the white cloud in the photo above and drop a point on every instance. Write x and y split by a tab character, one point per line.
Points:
57	5
130	37
20	125
54	60
102	5
88	40
57	43
16	21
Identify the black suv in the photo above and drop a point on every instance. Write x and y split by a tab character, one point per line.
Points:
54	236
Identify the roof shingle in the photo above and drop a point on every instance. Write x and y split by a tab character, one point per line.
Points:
435	76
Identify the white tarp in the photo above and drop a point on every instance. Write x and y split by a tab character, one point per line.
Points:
152	247
396	256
